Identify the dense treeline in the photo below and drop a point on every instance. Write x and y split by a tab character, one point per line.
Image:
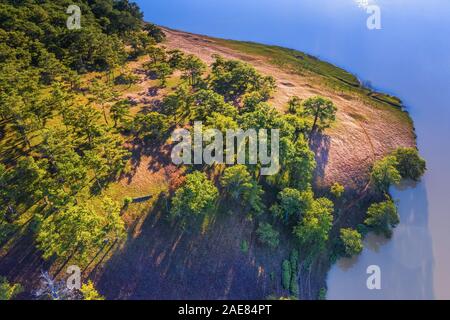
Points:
56	151
34	33
63	138
234	95
62	147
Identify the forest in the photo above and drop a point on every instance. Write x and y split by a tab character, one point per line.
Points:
70	134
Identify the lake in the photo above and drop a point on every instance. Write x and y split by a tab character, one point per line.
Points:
408	57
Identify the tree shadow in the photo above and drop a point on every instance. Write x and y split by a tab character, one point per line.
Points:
23	263
158	156
153	91
163	261
320	145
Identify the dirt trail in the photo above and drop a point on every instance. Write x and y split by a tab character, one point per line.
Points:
361	134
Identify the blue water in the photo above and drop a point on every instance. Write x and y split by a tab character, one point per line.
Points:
408	57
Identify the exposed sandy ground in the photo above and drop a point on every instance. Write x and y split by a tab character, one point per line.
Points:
361	135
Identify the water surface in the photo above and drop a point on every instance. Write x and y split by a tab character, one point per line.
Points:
408	57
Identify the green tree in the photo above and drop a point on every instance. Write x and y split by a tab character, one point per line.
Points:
294	259
236	181
293	204
76	230
178	102
351	241
410	164
162	71
89	292
120	111
267	235
16	109
139	42
8	291
294	284
322	294
83	119
197	197
107	158
205	102
240	186
313	230
301	126
103	94
233	79
114	226
69	173
113	55
193	69
286	274
156	55
294	105
251	100
60	99
23	184
175	59
297	164
155	32
91	50
221	122
151	126
382	217
384	173
322	110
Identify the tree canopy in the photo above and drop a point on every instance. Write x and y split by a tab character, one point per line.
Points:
352	241
313	230
382	217
410	164
196	197
321	110
241	187
384	173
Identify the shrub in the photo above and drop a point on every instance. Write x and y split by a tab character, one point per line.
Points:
286	274
294	284
322	294
294	105
337	190
244	246
294	260
127	201
267	235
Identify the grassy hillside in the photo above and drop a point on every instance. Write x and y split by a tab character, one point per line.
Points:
302	63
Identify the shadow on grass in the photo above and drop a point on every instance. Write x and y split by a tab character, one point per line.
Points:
162	261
